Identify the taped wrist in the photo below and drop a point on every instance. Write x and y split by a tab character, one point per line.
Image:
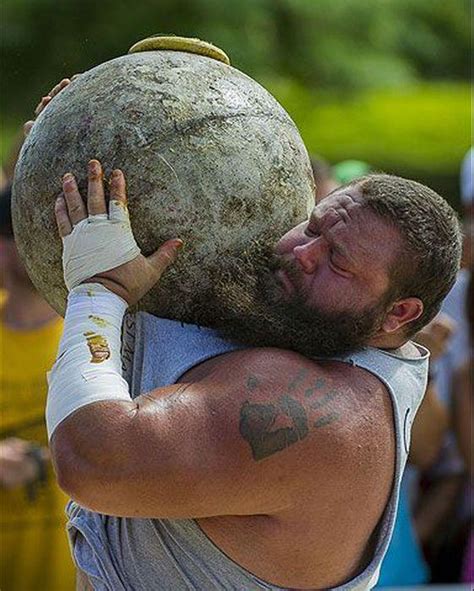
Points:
88	366
97	244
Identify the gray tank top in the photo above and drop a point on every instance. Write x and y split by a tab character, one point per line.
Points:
124	554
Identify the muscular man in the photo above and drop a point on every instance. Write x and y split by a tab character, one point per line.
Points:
261	468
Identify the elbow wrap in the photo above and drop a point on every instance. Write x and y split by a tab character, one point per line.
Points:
88	366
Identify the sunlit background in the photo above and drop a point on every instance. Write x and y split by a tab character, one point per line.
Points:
384	81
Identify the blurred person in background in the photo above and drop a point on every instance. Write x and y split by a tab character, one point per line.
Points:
348	170
35	553
443	508
404	564
463	429
323	178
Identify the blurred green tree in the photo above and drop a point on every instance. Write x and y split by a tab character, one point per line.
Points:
344	69
329	44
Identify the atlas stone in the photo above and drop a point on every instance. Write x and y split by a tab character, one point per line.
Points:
209	156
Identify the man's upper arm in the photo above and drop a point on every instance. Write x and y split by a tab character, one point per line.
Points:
237	442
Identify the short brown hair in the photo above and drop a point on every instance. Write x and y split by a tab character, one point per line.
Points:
427	265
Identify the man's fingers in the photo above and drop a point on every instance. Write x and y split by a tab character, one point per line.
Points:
118	197
74	203
27	127
59	86
51	94
46	100
165	256
95	190
62	217
42	104
118	188
64	82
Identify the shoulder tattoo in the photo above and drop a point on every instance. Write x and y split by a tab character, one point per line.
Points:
270	427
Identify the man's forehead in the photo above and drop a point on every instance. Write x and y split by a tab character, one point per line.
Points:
347	197
368	241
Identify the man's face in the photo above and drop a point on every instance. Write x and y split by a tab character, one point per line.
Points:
324	289
340	259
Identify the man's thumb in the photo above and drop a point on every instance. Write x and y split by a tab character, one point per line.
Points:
165	255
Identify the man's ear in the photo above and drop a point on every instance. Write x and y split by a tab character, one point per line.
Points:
401	313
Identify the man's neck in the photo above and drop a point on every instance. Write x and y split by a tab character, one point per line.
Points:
387	341
25	309
396	343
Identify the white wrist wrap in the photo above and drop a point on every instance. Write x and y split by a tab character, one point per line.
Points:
97	244
88	367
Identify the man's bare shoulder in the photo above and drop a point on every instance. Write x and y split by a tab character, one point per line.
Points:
290	401
270	361
289	370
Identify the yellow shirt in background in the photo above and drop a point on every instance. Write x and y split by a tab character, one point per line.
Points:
34	550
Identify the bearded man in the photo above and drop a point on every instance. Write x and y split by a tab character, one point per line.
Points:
250	467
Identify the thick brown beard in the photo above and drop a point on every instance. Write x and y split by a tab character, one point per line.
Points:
246	303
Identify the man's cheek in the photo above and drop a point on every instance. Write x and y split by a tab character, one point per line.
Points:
320	298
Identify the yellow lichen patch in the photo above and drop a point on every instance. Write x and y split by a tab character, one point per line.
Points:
98	346
99	321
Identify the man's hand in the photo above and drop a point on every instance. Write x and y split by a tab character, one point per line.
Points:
17	467
45	100
85	243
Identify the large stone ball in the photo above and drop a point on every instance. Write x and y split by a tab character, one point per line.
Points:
209	156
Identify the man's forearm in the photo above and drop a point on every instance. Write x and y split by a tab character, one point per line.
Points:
92	421
88	368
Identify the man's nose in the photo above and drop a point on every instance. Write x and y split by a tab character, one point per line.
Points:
309	254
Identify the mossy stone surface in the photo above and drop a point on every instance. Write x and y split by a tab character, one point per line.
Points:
209	156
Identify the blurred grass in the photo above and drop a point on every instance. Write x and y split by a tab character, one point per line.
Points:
9	131
424	127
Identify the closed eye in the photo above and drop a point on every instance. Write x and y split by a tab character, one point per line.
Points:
337	269
312	233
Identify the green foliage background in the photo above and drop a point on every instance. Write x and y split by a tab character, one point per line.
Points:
386	81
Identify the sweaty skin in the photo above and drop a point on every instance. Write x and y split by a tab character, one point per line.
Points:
275	473
277	456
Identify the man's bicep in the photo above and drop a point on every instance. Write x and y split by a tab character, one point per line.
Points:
237	442
242	445
219	452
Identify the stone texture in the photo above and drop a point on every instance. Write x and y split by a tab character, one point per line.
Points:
208	154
